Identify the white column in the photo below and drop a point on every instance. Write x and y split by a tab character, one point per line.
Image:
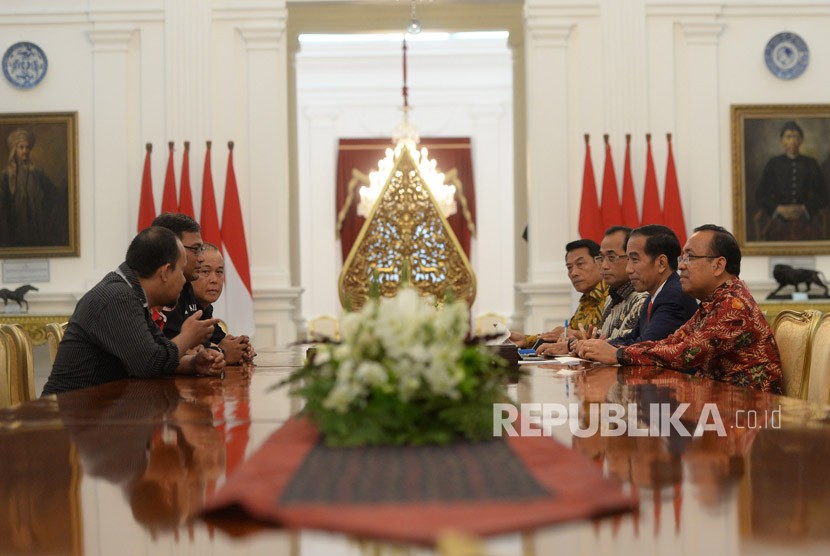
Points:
265	196
320	259
520	247
624	91
494	240
187	38
547	147
710	203
267	210
546	42
113	224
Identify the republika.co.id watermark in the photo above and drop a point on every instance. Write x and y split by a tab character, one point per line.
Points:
614	419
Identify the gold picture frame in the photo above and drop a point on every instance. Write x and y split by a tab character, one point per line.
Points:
759	162
39	203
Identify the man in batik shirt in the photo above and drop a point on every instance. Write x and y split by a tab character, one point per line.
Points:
728	338
624	305
586	277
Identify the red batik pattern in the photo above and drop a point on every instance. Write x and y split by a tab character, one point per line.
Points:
727	339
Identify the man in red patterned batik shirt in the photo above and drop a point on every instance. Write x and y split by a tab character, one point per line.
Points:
728	337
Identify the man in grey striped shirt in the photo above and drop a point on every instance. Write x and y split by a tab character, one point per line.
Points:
624	305
111	334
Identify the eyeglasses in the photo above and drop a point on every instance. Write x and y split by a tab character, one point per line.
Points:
685	258
196	249
612	258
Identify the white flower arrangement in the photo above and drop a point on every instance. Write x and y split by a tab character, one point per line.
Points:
402	374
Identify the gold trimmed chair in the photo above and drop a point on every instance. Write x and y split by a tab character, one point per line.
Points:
54	335
20	363
793	331
323	327
5	376
486	322
818	381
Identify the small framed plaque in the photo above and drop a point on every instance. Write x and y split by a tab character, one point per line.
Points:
25	272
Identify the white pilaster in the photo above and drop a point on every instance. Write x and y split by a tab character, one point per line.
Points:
710	203
546	61
625	95
494	219
265	196
113	223
547	132
187	51
320	269
266	153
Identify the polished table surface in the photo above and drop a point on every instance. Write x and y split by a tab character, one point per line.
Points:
125	468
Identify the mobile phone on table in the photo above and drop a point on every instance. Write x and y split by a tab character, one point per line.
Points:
529	354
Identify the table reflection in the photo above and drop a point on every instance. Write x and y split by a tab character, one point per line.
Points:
132	462
40	507
771	456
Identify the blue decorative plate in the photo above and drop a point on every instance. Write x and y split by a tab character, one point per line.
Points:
786	55
24	65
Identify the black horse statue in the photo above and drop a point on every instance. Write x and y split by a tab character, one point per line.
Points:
17	295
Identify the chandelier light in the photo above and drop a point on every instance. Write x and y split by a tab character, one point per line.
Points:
406	137
414	26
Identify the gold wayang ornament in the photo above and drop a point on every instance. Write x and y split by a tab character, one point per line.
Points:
406	225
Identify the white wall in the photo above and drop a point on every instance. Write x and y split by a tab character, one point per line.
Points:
658	66
163	70
159	71
457	87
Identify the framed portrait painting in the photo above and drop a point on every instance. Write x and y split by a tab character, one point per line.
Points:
39	185
781	178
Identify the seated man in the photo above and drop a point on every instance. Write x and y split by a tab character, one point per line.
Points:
622	311
190	234
584	274
207	289
652	253
111	334
728	338
652	267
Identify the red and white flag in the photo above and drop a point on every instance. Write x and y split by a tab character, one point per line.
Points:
238	297
630	217
209	217
651	196
611	212
590	218
185	195
672	205
209	221
146	204
168	197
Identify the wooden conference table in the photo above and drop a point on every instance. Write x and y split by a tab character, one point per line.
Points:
123	468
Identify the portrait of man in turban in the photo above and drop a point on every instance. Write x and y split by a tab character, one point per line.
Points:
32	207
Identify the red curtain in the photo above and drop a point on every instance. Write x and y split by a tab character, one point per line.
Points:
363	155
